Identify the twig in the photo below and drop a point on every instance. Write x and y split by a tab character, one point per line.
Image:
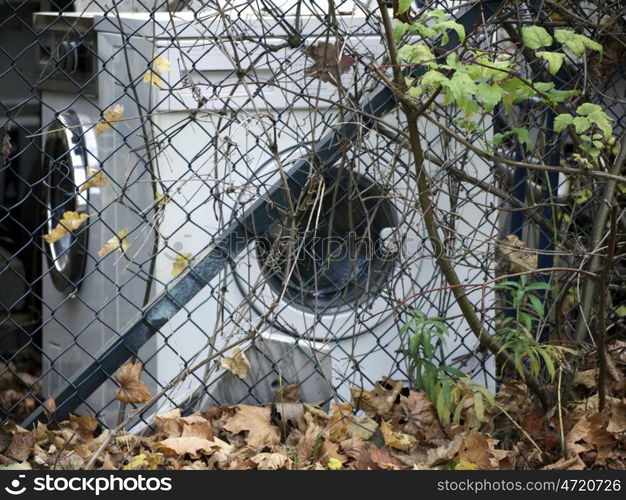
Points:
604	290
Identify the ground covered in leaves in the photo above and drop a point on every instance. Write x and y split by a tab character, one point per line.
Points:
388	427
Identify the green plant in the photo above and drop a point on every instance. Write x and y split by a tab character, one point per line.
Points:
516	331
448	388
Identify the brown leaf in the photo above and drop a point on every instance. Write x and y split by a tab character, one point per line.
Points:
169	423
586	378
329	62
308	440
405	17
354	447
421	416
84	426
21	445
445	453
517	254
382	459
271	461
379	401
574	463
49	407
238	365
132	389
338	423
288	394
255	421
363	428
193	446
329	450
476	448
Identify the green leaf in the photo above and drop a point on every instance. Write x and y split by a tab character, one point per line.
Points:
539	285
537	305
416	54
548	361
432	79
450	25
399	30
554	59
562	121
490	95
535	37
403	6
581	123
523	136
576	42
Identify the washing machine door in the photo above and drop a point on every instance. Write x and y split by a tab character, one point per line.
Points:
68	145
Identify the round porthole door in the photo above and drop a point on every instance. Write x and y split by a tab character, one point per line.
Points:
67	147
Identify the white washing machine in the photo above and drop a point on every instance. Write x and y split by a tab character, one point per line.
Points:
328	315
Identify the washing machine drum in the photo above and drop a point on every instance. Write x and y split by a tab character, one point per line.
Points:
67	148
328	269
331	254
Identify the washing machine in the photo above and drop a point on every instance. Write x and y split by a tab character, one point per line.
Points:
213	117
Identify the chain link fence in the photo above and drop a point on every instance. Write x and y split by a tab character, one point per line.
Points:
183	179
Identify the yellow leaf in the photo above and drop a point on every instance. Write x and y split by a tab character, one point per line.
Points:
132	388
397	440
136	462
97	179
465	465
334	464
117	243
181	262
161	199
110	115
160	65
70	222
237	365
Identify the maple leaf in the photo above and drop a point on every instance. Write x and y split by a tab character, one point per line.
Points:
110	115
271	461
476	449
188	445
71	221
379	401
255	421
329	62
180	263
132	389
237	365
117	243
84	425
421	416
97	179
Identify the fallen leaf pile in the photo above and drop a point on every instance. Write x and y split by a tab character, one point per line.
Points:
386	427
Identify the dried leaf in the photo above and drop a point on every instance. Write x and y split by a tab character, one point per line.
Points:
397	440
160	65
192	446
517	255
329	62
477	449
421	416
84	425
180	263
288	394
237	365
255	421
363	428
338	423
71	221
49	407
574	463
329	451
379	401
110	115
97	179
21	445
271	461
132	389
117	243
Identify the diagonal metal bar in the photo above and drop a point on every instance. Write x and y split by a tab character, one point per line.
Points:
233	239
